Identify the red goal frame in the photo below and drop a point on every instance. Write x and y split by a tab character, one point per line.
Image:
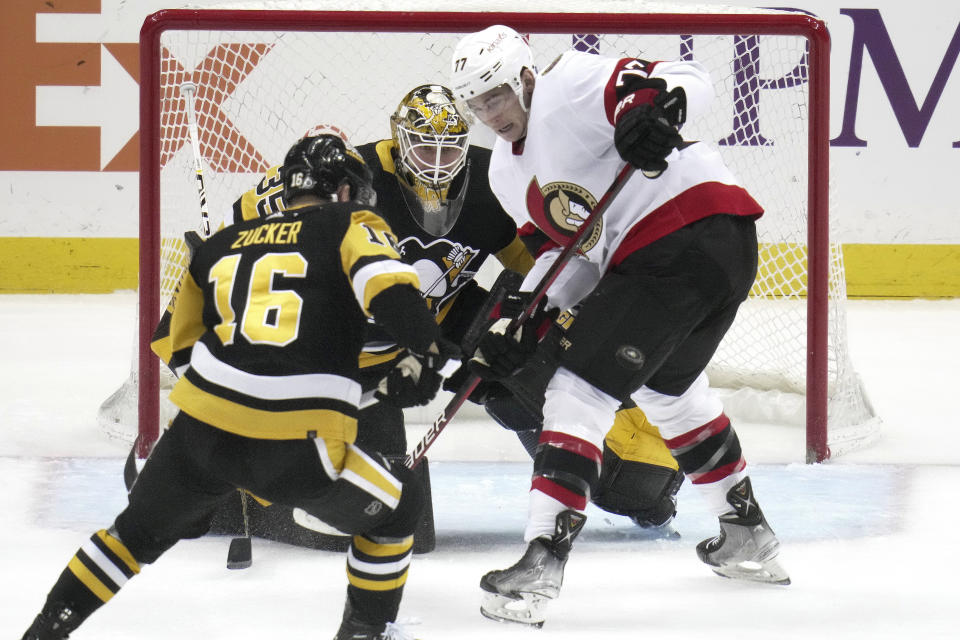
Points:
809	27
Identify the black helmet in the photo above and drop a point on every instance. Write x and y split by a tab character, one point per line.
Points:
319	164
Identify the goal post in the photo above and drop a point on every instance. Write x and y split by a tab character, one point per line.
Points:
265	77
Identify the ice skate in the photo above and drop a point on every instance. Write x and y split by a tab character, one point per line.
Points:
520	594
356	630
746	548
55	622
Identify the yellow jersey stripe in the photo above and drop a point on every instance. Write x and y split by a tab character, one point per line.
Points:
120	549
377	585
515	256
373	359
360	470
89	580
257	423
378	568
371	548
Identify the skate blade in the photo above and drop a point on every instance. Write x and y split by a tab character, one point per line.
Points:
768	572
527	608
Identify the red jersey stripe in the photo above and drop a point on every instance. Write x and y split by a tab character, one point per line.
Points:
572	444
561	494
697	202
699	434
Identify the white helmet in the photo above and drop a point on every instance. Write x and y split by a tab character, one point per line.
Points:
487	59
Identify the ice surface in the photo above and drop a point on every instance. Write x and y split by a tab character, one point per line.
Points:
869	539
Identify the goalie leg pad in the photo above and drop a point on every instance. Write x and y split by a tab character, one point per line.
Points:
644	492
634	438
425	534
640	477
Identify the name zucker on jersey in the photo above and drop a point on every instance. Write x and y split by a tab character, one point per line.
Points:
273	233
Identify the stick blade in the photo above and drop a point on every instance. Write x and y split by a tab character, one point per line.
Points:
240	554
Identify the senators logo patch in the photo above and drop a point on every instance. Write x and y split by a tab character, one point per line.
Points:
559	208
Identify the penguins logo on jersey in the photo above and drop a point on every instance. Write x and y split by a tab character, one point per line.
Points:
559	208
444	267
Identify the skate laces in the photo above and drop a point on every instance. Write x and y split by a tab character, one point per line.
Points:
398	630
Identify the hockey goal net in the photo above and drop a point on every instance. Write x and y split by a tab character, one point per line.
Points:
264	77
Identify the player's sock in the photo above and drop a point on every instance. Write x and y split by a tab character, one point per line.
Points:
92	577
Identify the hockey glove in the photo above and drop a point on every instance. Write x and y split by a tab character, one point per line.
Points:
193	240
484	391
646	134
416	379
499	355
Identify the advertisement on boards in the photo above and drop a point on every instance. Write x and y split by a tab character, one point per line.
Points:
70	139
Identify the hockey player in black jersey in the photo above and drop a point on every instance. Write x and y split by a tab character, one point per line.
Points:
265	334
432	189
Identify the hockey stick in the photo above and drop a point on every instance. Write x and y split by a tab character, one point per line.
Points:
440	423
240	553
189	90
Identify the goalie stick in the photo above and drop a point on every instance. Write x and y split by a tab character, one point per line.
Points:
189	90
240	553
440	423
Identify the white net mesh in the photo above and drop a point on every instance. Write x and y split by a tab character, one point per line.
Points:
260	91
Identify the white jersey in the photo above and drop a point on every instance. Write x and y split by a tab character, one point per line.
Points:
568	161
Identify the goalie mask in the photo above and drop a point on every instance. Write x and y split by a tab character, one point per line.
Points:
431	139
318	165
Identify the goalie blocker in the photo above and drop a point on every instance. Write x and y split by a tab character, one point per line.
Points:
639	478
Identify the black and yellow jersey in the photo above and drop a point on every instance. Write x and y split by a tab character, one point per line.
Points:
269	321
265	199
446	265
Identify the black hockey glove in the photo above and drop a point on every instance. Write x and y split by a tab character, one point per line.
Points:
193	240
646	134
499	355
485	389
416	379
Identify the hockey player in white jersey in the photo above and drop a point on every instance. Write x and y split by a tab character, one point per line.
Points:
657	282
